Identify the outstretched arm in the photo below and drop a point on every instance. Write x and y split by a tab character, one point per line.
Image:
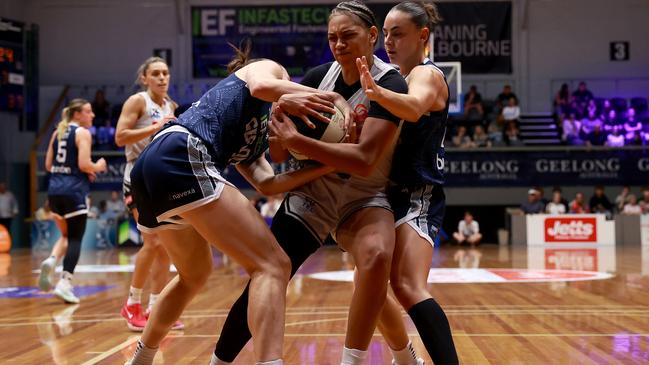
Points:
260	174
427	91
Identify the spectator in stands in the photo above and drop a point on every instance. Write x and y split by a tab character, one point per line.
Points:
271	206
93	212
564	201
556	205
606	109
578	206
591	108
8	206
511	136
105	138
473	108
495	134
615	139
101	107
461	139
571	128
612	120
644	202
599	202
563	100
588	124
468	230
632	124
597	137
581	97
637	139
622	198
480	137
116	204
533	205
511	112
632	207
503	98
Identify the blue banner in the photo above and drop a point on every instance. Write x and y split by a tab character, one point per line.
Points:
482	167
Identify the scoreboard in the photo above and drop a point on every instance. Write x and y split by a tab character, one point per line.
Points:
12	65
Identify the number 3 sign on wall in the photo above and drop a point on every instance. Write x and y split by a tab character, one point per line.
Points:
619	51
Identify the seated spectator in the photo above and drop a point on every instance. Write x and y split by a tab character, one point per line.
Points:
599	202
533	205
556	206
591	107
473	108
606	109
511	112
581	97
480	137
511	136
644	201
101	108
461	139
271	206
495	134
563	101
571	128
621	199
589	123
578	206
564	201
468	230
637	139
93	212
115	205
612	120
597	137
503	98
631	125
615	139
632	207
106	136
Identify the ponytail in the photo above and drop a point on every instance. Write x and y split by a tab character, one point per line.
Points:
241	57
423	14
74	106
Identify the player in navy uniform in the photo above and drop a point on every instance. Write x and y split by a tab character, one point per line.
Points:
354	207
416	192
68	161
182	196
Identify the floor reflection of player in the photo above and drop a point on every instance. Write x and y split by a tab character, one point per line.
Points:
48	336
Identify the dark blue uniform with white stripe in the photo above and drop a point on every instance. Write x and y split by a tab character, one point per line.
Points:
417	175
181	168
68	185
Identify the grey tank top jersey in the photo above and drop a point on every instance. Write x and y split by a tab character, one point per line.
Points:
359	102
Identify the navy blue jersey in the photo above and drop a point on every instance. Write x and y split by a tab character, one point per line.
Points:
232	123
66	178
419	155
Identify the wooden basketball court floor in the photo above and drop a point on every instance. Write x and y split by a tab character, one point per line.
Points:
603	321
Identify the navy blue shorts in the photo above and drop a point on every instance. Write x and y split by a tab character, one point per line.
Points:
422	207
173	175
68	206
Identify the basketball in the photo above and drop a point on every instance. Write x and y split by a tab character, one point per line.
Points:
332	132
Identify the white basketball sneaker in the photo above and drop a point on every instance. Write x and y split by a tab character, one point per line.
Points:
420	361
63	290
45	277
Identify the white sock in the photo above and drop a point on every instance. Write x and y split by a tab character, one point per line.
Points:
216	361
274	362
152	299
405	356
353	357
134	296
66	276
143	355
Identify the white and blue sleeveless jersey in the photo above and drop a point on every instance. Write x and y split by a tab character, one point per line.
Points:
66	178
419	155
231	122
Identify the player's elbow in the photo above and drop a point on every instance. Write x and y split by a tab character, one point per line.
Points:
259	88
119	140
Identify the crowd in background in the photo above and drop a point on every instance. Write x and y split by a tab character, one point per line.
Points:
587	120
625	202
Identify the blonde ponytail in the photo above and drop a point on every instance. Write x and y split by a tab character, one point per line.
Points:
74	106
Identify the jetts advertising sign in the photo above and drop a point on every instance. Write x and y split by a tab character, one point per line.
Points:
573	229
589	229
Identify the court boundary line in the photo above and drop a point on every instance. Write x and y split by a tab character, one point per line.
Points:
111	351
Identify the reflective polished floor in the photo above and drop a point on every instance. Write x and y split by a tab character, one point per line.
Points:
498	316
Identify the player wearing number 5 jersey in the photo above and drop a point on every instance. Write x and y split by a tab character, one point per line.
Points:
71	169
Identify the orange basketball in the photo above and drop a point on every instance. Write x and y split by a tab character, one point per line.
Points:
5	240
